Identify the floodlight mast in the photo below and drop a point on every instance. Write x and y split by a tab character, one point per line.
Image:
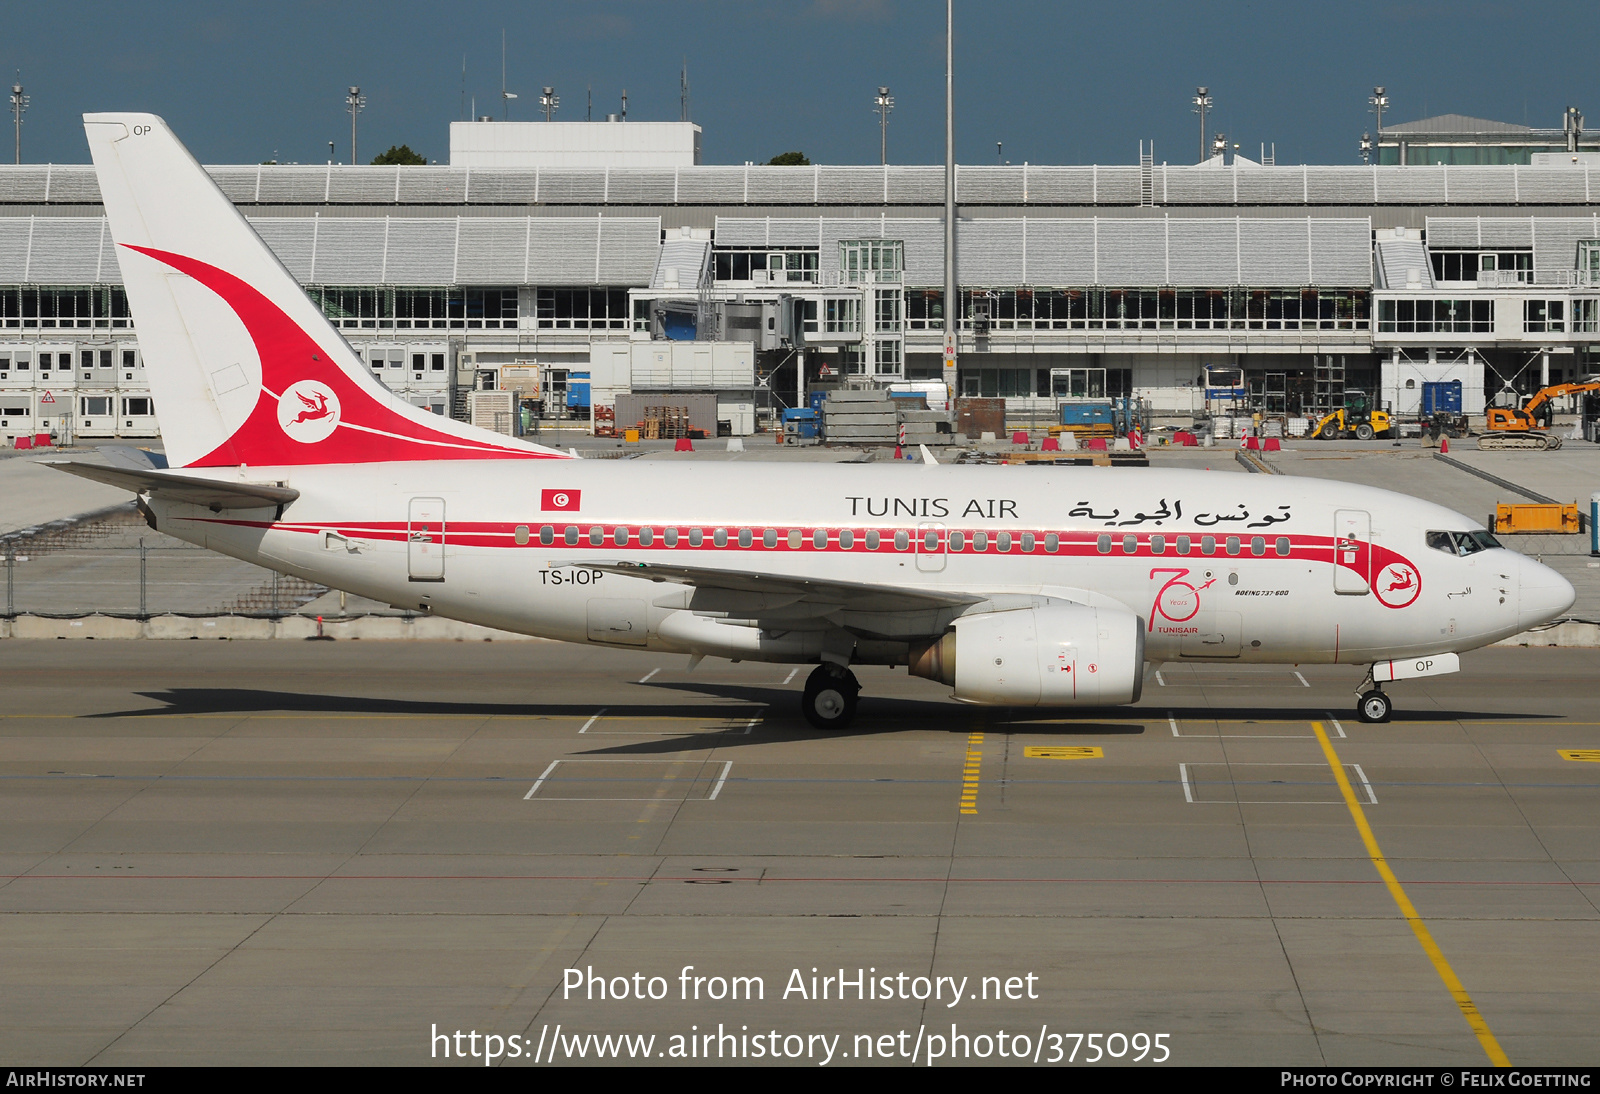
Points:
354	101
1378	101
550	101
883	104
952	299
19	103
1202	103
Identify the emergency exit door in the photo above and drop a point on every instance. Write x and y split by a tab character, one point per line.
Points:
425	540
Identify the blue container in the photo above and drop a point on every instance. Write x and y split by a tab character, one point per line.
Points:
1087	414
1594	524
802	422
1441	397
578	389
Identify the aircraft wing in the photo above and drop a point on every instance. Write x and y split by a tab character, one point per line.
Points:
855	596
188	488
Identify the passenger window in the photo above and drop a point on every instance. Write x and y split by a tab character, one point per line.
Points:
572	535
980	541
1258	545
597	537
670	537
958	541
930	540
646	536
1130	544
697	536
620	537
1103	545
872	540
1183	545
1052	543
547	535
1005	541
746	537
902	540
720	537
794	539
847	539
769	538
1282	546
1208	545
1027	542
819	539
1158	545
1233	545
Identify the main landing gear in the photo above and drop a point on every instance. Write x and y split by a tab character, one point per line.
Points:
830	696
1374	705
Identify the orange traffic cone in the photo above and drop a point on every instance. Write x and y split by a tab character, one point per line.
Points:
1444	445
899	455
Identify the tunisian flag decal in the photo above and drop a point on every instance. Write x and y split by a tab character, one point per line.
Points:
559	501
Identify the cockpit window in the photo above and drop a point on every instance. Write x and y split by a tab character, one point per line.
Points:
1461	543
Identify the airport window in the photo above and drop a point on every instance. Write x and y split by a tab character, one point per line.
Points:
1094	308
1130	544
1436	316
1258	545
138	405
1052	543
597	536
95	404
719	537
581	309
1183	545
980	541
417	309
765	264
886	310
64	308
1027	542
1103	545
871	260
1544	316
571	535
1505	266
873	539
958	541
419	362
1208	545
697	536
841	315
1281	545
1586	316
886	358
1233	545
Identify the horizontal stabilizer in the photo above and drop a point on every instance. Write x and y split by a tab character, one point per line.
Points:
186	488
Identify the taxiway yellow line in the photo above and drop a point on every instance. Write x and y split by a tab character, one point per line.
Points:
1469	1009
969	773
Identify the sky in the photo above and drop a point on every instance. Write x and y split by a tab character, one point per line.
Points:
1051	82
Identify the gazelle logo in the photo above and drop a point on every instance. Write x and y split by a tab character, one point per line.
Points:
308	411
1398	584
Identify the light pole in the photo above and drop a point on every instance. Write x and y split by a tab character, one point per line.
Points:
1366	148
1378	101
354	101
550	101
952	301
1202	103
19	103
1219	144
884	103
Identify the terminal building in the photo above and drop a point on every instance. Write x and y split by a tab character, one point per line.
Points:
646	271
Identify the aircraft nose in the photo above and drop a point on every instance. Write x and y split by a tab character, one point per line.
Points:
1545	594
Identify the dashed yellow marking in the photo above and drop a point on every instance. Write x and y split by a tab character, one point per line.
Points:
1063	752
969	773
1469	1009
1591	755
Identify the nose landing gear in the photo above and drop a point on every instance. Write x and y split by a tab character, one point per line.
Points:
829	701
1374	706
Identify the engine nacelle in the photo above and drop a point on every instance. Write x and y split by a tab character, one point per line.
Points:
1059	654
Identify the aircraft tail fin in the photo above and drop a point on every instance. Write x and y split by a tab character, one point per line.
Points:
243	367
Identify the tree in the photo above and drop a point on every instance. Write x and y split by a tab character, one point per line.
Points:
400	154
789	159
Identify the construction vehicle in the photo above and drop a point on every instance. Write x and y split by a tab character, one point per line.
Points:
1355	419
1522	427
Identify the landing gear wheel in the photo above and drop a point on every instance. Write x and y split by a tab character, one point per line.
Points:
830	697
1374	706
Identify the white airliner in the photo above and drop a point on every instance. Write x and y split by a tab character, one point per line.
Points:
1016	586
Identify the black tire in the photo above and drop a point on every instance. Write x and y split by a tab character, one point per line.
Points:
829	702
1364	432
1374	707
1328	432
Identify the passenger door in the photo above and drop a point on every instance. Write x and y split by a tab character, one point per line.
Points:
1352	552
425	540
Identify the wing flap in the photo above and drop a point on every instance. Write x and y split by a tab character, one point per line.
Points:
186	488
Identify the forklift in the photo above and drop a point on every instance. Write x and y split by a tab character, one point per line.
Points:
1356	418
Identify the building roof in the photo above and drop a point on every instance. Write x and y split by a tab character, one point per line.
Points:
1454	124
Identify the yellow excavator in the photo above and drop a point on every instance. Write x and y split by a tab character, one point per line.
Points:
1356	418
1520	428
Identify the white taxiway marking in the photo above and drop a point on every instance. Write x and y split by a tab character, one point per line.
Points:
1302	679
1160	680
1183	776
1372	798
542	777
1337	727
728	766
792	674
592	720
645	679
1173	722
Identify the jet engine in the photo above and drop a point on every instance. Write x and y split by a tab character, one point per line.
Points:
1056	654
